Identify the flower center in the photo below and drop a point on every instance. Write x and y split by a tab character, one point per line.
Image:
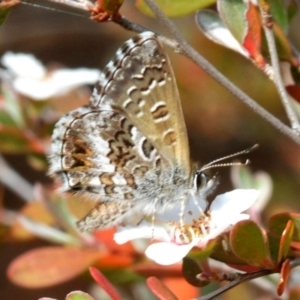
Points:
199	228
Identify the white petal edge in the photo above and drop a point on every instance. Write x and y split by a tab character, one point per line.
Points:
168	253
234	202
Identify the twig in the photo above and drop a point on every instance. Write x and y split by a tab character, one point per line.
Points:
246	277
188	51
80	4
268	30
242	278
129	25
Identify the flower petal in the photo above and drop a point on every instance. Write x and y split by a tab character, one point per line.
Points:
143	231
234	202
194	207
25	65
168	253
60	82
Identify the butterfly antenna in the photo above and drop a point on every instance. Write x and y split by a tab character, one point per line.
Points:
215	163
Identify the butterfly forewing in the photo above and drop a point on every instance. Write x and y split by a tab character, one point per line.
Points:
140	82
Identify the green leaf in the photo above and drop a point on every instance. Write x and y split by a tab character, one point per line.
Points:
190	269
224	254
5	8
175	8
250	243
292	9
13	107
78	295
232	13
6	119
283	46
277	224
280	14
286	240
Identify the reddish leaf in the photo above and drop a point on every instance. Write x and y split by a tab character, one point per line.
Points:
253	35
104	283
249	242
181	288
284	276
285	241
294	91
295	246
149	268
159	289
115	260
49	266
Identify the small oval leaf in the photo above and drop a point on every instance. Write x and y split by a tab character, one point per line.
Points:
284	276
104	283
159	289
48	266
286	240
79	295
250	243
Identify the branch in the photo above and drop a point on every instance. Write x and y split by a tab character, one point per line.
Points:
188	51
268	30
245	277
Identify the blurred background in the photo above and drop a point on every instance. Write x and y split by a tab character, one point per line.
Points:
218	124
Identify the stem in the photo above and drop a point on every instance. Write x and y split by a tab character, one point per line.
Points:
242	278
84	5
188	51
128	25
268	30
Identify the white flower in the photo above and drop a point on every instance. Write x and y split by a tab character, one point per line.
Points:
225	211
32	79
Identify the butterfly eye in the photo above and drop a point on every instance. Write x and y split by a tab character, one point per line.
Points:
204	183
201	180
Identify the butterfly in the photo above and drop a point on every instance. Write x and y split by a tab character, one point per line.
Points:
128	148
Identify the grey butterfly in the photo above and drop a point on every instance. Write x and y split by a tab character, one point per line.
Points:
128	148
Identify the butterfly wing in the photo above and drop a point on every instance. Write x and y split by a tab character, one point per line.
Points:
125	147
101	155
93	152
140	83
